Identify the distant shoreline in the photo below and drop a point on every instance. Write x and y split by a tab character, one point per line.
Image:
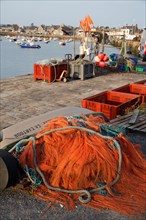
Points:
2	33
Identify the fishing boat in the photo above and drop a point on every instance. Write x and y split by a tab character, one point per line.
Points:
30	45
46	40
62	43
55	39
129	51
12	39
18	42
69	40
39	39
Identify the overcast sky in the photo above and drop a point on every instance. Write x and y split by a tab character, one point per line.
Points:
112	13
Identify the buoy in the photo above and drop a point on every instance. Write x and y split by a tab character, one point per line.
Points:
10	171
101	64
96	59
101	56
106	58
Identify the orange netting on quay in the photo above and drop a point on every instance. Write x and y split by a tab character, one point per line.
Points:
71	160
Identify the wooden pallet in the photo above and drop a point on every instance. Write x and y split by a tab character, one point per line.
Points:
133	121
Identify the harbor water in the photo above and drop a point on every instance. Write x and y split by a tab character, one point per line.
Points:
17	61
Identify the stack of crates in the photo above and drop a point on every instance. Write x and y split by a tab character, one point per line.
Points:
137	88
111	103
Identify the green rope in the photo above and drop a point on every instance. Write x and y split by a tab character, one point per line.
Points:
111	130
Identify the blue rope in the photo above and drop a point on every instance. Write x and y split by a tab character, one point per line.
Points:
102	191
36	181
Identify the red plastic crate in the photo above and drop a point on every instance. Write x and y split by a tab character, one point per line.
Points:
140	82
137	89
48	73
140	88
111	103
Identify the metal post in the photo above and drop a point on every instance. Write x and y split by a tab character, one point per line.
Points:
74	43
103	33
123	47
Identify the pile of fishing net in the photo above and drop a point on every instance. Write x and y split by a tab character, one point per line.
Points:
82	159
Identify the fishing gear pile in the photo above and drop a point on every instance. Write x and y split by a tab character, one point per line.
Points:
83	159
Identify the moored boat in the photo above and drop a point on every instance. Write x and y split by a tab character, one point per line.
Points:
69	40
30	45
46	40
18	42
12	39
62	43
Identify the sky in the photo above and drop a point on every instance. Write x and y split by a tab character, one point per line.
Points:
112	13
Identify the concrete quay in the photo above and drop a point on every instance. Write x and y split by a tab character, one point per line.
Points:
22	97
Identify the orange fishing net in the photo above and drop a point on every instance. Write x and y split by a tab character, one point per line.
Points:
76	163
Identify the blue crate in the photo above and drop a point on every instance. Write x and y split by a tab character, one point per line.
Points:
120	67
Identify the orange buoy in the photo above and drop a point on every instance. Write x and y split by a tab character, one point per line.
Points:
106	58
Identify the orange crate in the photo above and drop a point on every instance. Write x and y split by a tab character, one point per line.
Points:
120	96
137	89
111	103
48	73
140	82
